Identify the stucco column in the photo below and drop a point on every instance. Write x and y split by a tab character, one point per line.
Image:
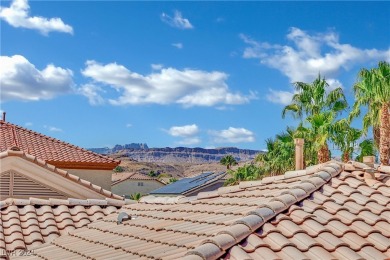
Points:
299	153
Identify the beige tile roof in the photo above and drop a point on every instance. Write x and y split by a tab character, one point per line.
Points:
51	150
323	212
77	180
26	224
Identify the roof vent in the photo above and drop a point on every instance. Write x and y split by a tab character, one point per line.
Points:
3	116
124	216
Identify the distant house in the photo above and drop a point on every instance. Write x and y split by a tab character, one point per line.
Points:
131	183
192	186
75	160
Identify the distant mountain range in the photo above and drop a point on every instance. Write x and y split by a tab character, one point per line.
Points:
142	153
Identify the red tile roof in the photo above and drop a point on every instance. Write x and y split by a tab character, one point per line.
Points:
51	150
60	172
323	212
26	224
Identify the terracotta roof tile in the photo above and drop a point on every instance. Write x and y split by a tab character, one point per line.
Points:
49	149
60	172
321	214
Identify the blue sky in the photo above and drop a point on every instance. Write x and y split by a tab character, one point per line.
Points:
197	74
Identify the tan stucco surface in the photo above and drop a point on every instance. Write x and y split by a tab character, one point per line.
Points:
98	177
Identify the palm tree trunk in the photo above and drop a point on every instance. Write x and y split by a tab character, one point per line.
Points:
323	154
376	133
384	134
346	156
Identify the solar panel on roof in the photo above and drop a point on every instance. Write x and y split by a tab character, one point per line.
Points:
186	184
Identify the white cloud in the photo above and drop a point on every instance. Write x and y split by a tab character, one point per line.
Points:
233	135
177	21
308	55
20	80
187	87
17	15
128	125
184	131
52	128
187	132
280	97
178	45
92	91
157	66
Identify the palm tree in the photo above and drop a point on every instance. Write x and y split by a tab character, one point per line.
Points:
280	153
136	196
321	127
247	172
312	98
373	90
367	148
319	107
228	161
345	137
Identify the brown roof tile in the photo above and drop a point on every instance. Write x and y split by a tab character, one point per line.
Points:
320	214
51	150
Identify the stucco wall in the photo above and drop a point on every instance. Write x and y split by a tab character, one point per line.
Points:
129	187
97	177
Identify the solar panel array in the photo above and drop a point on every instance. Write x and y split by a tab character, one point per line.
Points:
186	184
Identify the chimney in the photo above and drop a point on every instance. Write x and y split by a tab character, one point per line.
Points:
299	153
3	116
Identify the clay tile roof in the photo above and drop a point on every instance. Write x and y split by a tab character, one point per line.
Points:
28	223
131	176
59	172
54	151
323	212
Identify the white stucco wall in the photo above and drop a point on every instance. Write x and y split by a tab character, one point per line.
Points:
97	177
129	187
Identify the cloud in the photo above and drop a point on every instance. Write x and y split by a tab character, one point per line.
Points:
306	55
188	87
157	66
232	135
91	92
184	131
28	124
128	125
52	128
279	97
178	45
176	21
187	132
20	80
17	15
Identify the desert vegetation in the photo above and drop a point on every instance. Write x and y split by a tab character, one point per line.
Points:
324	118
